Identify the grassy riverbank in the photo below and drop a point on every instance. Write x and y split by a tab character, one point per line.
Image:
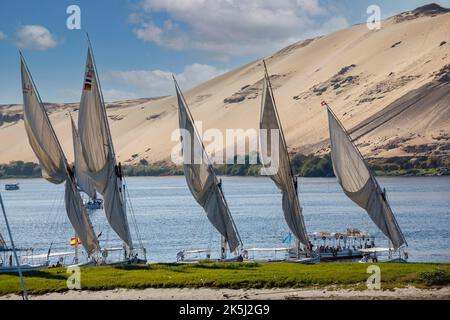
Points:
233	276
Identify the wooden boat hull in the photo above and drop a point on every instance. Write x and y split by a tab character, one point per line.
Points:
329	256
343	255
313	260
128	262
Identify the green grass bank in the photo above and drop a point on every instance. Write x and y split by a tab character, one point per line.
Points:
233	276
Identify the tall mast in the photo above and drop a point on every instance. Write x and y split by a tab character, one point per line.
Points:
19	269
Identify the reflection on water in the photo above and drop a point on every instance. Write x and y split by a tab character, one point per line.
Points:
170	220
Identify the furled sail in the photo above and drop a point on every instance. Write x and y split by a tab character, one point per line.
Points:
83	181
201	179
284	177
54	165
358	182
98	152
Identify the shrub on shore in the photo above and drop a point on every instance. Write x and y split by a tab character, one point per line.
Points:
17	169
302	165
435	277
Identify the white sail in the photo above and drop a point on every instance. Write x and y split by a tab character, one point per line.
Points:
2	242
83	181
358	182
201	179
98	152
283	178
54	165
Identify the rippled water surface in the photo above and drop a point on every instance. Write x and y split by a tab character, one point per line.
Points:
169	219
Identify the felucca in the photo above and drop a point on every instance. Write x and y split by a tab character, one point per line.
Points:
278	167
54	165
204	186
360	185
99	163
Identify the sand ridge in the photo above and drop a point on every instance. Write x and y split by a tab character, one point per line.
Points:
359	72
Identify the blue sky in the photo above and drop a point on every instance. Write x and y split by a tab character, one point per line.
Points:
138	44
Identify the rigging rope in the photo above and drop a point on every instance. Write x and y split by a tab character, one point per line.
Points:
133	217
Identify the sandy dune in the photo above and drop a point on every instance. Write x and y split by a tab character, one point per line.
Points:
243	294
392	86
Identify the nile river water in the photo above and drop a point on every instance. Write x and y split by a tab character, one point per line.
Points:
169	219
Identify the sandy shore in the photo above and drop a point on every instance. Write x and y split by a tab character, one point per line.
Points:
242	294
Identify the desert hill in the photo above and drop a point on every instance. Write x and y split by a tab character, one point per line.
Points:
390	88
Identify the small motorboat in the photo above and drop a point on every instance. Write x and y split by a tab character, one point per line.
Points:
12	187
94	204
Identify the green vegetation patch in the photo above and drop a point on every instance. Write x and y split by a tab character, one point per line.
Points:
435	277
302	165
230	275
20	169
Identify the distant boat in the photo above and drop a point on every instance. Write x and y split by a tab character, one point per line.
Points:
12	187
94	204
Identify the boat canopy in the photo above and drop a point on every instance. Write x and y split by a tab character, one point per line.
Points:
340	235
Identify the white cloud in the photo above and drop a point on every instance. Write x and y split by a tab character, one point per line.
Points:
111	95
2	36
35	37
312	7
68	95
230	27
159	83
